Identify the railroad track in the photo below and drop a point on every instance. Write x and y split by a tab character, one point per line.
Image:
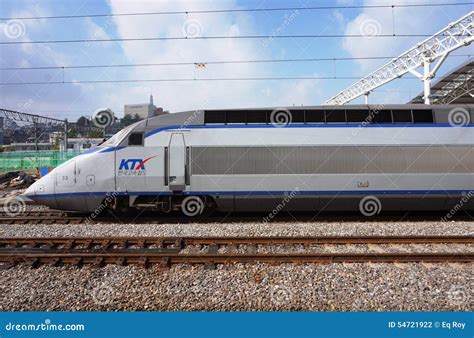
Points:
41	217
166	251
61	217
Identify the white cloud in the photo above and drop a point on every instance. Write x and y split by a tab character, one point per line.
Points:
372	22
297	93
97	32
385	21
339	18
51	100
175	96
199	94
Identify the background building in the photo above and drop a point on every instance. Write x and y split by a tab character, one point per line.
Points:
143	110
80	144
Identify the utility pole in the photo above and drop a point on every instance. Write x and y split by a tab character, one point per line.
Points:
35	126
65	134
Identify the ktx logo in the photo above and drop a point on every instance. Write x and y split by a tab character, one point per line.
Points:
134	163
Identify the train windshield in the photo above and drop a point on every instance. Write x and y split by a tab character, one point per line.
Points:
117	138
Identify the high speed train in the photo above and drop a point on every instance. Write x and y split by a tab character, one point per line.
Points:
398	157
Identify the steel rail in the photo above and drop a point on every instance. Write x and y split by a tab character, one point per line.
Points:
46	219
270	240
166	259
53	216
166	251
29	213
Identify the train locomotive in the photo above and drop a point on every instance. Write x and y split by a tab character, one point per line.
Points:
319	158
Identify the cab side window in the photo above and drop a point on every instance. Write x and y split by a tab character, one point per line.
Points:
135	139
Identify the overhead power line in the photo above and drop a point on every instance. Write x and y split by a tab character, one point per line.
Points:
436	48
192	79
210	62
217	37
234	10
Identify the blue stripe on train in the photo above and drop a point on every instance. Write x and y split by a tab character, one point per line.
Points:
237	126
264	193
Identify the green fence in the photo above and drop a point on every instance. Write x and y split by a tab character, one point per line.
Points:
32	160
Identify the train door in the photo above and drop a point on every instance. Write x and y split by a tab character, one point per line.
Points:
176	162
130	164
66	177
65	186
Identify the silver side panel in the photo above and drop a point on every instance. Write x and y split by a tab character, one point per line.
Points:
331	160
332	183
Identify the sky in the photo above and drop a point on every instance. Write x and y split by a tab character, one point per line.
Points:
72	100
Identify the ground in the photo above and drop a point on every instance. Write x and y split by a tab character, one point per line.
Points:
250	287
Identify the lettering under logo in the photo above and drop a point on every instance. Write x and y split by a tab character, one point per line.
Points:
133	166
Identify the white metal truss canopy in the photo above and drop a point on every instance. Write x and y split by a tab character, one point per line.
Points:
436	47
457	87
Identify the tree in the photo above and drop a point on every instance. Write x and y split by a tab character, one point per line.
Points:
83	121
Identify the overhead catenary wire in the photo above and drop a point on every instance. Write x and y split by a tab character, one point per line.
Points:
210	37
215	62
81	111
218	37
192	79
234	10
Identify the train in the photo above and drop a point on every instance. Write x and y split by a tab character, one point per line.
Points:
308	158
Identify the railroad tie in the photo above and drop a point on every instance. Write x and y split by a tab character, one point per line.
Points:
99	261
55	261
121	261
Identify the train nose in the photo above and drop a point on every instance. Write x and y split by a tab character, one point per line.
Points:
42	191
31	191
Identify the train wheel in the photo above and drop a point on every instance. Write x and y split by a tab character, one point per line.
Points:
192	206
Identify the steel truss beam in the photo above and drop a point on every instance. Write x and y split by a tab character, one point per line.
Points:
29	118
38	120
436	47
461	85
43	120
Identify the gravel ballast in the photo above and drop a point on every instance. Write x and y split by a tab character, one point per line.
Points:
242	229
252	287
